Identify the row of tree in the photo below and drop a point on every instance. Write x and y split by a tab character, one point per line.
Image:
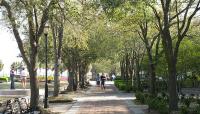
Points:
159	37
153	29
69	23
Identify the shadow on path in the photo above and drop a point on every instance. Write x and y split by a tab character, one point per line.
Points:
108	101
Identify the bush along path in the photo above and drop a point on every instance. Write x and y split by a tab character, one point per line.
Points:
187	104
108	101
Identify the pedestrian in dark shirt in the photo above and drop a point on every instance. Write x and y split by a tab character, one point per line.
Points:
12	78
103	79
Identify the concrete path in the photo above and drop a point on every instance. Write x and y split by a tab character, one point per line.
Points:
108	101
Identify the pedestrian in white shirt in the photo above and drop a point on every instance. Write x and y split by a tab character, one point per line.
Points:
113	77
23	78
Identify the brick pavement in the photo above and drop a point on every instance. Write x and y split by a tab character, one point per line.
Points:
98	101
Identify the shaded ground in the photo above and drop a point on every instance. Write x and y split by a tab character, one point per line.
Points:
103	102
97	101
62	108
109	101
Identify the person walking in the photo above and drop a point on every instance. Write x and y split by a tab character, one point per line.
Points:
12	78
97	80
113	77
103	79
23	78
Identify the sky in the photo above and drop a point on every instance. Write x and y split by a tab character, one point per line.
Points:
8	49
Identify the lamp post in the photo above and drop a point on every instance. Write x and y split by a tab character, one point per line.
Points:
46	105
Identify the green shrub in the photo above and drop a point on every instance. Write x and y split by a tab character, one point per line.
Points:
184	110
4	79
142	99
146	97
188	83
187	110
187	101
118	78
162	107
128	88
137	95
165	96
122	87
158	104
197	110
153	103
117	82
198	101
140	96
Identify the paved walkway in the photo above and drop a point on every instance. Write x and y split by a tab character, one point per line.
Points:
109	101
98	101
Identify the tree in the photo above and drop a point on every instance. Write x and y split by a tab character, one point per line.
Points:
57	28
151	39
174	14
36	14
16	65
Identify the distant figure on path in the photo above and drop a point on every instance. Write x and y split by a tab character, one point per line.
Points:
103	79
23	78
113	77
12	78
97	80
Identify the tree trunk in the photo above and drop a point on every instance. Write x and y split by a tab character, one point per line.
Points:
57	57
152	72
33	80
56	65
123	69
71	76
74	70
70	80
173	97
80	75
75	80
83	79
127	70
34	89
131	71
56	78
138	75
171	62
